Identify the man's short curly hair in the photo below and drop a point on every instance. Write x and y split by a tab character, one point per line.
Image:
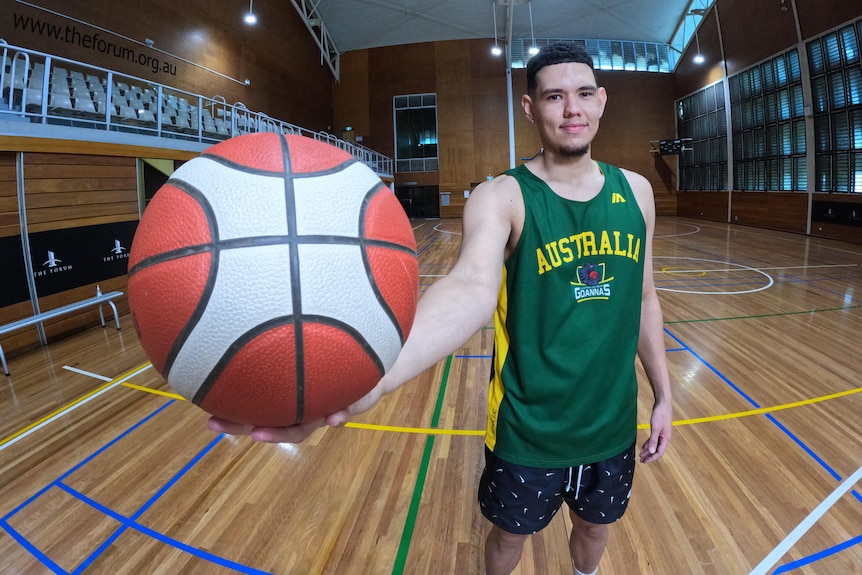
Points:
556	53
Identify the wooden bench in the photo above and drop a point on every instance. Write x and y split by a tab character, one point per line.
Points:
99	299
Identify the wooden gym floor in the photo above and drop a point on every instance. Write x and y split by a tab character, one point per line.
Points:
102	471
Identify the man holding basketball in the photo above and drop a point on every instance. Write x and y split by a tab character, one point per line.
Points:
559	252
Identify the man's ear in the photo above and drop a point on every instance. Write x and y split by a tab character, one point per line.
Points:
603	99
527	105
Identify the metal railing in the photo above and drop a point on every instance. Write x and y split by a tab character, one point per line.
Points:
44	90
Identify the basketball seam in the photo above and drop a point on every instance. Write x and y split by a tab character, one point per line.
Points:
261	172
196	315
298	321
257	241
295	283
364	244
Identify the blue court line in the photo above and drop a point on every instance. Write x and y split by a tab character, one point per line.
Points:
167	540
126	522
4	522
818	556
428	245
131	522
84	462
809	451
34	551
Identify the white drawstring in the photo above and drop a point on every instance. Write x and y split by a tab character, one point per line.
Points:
580	472
578	488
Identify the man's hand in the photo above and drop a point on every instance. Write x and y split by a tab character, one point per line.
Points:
660	432
296	433
292	434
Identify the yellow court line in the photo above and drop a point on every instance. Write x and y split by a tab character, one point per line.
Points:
436	431
763	409
421	430
155	391
737	415
75	403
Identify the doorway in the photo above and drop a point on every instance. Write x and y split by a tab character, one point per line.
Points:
419	201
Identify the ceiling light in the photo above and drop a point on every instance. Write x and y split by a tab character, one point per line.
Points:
533	48
496	50
698	58
250	18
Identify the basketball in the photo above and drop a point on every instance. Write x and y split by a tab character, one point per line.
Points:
273	279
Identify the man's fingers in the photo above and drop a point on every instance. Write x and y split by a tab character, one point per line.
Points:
230	427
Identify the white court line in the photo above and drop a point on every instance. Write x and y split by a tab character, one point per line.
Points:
696	231
437	229
700	292
87	373
770	560
809	241
59	414
419	226
748	269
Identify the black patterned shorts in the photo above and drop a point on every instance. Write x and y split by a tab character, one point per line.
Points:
523	500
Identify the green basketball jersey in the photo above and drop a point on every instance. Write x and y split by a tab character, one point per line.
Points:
563	387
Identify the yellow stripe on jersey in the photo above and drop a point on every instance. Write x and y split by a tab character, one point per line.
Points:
501	351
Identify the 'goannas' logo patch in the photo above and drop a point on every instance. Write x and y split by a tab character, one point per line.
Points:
592	283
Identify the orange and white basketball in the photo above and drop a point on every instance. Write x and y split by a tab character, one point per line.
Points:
273	279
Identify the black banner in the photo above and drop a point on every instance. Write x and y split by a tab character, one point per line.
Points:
71	258
13	286
846	213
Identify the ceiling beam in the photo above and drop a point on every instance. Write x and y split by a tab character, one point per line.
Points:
314	22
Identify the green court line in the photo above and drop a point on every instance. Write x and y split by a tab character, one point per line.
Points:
413	511
762	315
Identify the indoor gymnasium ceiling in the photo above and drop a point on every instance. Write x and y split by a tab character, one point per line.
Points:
357	24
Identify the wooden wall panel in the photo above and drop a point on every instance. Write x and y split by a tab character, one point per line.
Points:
490	114
704	205
639	109
352	107
837	232
278	55
9	220
394	71
752	32
68	191
819	16
773	210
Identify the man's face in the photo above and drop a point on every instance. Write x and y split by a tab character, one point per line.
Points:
566	107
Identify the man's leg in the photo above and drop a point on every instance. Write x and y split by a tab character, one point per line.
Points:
502	551
587	543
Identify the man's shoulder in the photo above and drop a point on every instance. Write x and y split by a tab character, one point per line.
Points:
502	187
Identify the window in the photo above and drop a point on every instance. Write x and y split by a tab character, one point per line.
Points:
702	117
836	84
769	135
416	133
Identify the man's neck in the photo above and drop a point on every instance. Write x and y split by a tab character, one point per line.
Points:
553	167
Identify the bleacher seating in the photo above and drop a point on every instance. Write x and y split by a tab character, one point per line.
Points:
83	96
